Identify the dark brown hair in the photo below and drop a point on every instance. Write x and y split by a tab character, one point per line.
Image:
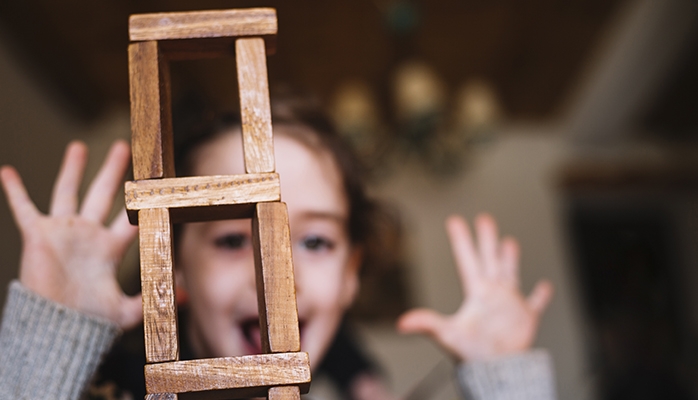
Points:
316	131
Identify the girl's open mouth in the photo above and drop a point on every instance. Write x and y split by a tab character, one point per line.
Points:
253	339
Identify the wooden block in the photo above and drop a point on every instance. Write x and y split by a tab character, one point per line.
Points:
200	193
254	374
157	284
284	393
255	111
161	396
276	289
151	120
203	24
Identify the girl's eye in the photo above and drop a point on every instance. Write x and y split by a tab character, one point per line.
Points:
317	243
233	241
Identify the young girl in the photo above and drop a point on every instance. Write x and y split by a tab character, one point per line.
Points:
66	309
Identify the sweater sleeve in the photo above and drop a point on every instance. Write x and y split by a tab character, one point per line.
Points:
48	351
525	376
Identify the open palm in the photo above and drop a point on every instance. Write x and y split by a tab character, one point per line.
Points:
495	318
69	255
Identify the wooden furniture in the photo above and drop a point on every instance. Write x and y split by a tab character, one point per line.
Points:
156	199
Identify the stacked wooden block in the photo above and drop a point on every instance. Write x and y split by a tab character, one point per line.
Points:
156	199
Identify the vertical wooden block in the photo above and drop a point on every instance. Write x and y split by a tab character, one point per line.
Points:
276	289
151	120
255	110
284	393
157	284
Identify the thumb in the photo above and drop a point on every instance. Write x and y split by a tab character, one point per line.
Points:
421	320
132	312
540	297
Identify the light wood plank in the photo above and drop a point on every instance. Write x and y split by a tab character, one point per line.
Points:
276	289
284	393
258	372
157	285
201	192
203	24
255	111
151	120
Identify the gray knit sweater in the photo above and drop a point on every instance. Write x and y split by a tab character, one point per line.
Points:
524	376
48	351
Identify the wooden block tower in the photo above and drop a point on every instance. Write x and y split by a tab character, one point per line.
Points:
156	199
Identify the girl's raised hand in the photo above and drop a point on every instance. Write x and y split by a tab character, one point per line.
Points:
69	255
495	318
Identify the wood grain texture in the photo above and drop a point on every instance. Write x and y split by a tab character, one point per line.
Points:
255	111
151	120
161	396
247	372
200	192
284	393
157	286
203	24
276	289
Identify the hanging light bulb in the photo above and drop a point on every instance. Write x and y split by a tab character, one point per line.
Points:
355	112
419	97
477	109
354	107
418	91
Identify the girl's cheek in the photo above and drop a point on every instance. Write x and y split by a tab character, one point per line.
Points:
223	301
217	286
324	287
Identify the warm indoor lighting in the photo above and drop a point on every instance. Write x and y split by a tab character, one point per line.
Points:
428	122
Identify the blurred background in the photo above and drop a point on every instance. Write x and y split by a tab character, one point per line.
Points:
573	122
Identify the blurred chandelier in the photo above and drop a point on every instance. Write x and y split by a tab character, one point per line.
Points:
418	117
421	123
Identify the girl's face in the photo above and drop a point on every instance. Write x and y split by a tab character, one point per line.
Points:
216	266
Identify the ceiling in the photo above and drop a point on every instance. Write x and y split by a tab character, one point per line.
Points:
531	52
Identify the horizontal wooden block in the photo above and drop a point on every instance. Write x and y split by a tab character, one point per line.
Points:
199	198
249	375
276	289
203	24
157	286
